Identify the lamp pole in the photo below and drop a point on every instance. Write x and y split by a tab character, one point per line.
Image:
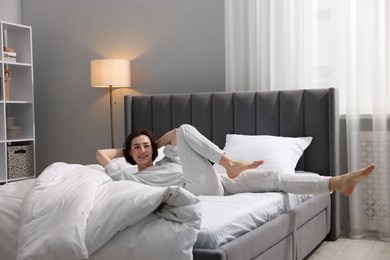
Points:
111	119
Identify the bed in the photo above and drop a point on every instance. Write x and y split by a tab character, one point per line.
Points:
76	211
289	113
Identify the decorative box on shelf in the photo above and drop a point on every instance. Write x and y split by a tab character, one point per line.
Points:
13	131
7	79
20	161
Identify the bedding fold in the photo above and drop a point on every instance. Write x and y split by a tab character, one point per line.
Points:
73	210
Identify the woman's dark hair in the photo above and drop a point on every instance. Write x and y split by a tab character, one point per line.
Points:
129	139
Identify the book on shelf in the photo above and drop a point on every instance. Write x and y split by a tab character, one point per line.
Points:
9	59
9	54
9	49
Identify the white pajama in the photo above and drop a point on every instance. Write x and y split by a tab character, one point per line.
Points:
195	150
200	178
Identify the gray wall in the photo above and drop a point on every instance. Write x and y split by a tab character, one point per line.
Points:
10	11
175	46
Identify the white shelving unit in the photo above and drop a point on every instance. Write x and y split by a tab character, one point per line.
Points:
17	132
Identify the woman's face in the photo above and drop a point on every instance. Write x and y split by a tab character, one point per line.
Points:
142	151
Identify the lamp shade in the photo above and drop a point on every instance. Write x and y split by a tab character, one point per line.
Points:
110	73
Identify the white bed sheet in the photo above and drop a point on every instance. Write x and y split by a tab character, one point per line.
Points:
228	217
223	218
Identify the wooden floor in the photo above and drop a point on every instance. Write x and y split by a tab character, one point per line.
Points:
352	249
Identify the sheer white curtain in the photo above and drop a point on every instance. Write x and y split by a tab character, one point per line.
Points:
294	44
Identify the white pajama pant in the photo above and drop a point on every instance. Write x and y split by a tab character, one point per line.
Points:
196	152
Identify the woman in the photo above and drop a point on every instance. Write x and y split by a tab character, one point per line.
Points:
187	164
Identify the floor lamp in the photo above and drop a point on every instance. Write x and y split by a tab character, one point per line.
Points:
110	73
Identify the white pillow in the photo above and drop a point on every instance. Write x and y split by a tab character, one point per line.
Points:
277	152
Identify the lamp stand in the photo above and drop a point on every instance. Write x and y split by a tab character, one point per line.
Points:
111	119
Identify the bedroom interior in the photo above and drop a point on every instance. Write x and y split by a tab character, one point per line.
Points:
177	47
269	225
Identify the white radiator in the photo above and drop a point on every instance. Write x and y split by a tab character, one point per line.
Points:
373	194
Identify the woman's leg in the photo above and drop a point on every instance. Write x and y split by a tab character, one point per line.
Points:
195	152
274	180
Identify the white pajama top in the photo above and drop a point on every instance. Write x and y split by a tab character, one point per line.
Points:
166	172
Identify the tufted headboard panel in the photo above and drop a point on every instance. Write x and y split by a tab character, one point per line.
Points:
282	113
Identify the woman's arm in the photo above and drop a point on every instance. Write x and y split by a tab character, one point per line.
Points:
105	156
167	138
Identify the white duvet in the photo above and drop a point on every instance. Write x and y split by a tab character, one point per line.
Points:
75	212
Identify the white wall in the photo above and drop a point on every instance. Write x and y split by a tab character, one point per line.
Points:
175	46
10	11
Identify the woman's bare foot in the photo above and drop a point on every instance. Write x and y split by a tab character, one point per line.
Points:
235	167
346	183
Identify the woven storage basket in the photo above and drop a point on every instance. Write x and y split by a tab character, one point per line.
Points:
20	161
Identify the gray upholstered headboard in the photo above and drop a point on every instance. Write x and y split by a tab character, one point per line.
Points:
282	113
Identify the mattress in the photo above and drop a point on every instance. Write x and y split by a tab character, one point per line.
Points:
224	218
228	217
